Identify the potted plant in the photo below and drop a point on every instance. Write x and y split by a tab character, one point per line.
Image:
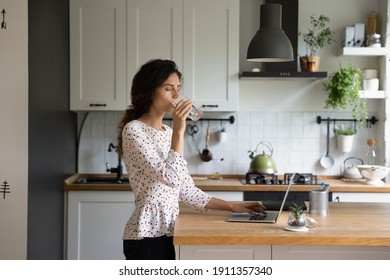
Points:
343	88
318	36
296	216
345	135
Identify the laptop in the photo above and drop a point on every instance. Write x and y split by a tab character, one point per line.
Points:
270	217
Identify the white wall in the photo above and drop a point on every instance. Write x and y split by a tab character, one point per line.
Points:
14	129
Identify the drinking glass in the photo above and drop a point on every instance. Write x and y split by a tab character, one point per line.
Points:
195	113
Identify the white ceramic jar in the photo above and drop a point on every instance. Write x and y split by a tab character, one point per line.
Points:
370	80
371	84
370	73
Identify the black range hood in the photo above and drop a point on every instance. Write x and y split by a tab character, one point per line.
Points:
287	69
284	74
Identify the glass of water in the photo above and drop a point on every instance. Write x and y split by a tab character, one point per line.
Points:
195	113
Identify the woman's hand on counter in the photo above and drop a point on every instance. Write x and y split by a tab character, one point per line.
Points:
240	207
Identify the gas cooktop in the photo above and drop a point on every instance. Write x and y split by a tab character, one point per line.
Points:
274	179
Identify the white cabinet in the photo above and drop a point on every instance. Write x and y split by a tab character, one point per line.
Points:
154	30
361	197
211	53
209	252
282	252
229	196
201	36
95	224
97	55
330	253
110	40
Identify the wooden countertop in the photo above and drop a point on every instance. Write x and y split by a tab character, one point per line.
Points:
230	183
354	224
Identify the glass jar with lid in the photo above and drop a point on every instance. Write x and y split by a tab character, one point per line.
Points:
373	24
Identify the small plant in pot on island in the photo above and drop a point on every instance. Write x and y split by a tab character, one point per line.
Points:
343	89
297	216
318	36
345	135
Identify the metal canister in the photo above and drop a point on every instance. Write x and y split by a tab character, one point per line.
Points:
374	40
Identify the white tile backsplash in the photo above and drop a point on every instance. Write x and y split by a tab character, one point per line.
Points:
297	139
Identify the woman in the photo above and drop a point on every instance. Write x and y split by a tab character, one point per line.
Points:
153	155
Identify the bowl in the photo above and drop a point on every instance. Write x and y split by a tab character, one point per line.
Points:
374	174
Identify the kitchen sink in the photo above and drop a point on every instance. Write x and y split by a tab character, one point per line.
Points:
101	180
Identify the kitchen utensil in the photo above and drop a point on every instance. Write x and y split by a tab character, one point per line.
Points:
352	172
371	155
262	163
206	155
192	130
319	202
374	174
327	161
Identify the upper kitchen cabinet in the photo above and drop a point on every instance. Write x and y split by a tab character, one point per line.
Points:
97	55
211	53
201	36
111	39
154	30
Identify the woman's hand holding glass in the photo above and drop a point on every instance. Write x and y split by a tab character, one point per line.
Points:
195	113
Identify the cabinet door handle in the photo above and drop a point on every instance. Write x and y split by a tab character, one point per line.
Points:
209	106
97	105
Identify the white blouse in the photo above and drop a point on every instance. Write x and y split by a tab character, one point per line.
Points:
159	177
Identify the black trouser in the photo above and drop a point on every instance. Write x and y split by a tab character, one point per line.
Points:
156	248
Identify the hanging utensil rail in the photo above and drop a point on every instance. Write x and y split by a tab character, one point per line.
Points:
369	122
231	119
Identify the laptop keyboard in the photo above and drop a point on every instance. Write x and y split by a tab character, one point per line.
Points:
258	217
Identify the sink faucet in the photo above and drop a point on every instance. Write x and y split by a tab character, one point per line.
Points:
119	169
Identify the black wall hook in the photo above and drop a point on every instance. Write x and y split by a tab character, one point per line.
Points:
3	23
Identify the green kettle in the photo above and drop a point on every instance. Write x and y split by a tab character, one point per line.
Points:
262	163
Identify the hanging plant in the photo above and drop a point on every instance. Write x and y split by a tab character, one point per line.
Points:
343	89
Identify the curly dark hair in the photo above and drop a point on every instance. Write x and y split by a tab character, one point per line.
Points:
149	77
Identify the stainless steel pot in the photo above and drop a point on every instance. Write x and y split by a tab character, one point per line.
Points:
262	163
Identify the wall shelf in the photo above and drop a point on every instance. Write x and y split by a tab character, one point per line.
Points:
379	94
364	51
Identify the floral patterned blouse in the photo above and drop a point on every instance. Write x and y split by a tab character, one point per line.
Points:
159	178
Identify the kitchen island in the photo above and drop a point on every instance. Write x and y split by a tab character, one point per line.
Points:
350	231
